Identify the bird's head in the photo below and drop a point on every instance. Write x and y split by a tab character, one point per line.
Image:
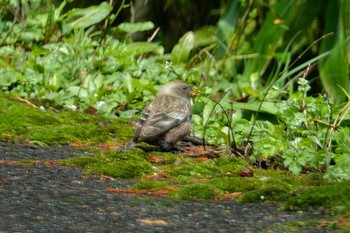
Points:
177	88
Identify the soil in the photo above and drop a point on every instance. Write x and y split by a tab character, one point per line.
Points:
46	197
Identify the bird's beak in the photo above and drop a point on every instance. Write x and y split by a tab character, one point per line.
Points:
194	93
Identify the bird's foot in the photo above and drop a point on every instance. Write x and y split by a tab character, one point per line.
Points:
193	140
167	147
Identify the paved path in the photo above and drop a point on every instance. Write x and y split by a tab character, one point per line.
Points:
45	197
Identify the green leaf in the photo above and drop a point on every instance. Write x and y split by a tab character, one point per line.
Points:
182	50
207	111
227	25
283	21
334	70
266	107
138	48
85	17
136	27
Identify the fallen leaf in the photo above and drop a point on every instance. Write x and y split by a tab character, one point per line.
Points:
198	151
116	214
344	220
199	180
109	146
163	192
202	159
231	195
155	176
246	172
155	159
157	222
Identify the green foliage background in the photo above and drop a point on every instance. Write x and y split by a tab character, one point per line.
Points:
275	58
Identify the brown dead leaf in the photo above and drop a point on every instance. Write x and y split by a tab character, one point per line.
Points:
91	110
155	159
344	220
107	177
78	144
10	162
46	163
109	146
155	176
202	159
164	192
116	214
231	195
198	151
323	223
154	222
246	172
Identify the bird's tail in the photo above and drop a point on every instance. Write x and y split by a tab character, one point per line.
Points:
128	146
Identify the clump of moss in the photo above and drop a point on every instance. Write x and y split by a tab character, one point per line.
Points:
123	165
272	193
196	191
235	184
212	168
334	197
22	121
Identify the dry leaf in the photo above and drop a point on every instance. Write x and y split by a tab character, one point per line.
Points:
155	159
157	222
231	195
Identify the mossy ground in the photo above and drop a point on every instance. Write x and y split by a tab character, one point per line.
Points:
182	176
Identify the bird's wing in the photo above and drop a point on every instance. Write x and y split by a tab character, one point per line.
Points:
162	115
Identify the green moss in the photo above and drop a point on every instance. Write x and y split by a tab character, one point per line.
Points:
194	170
271	193
206	169
49	127
164	158
123	165
333	196
235	184
151	184
193	178
294	226
196	191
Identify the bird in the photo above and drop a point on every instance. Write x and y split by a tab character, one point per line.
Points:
167	119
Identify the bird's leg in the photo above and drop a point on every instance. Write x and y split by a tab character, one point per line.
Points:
128	146
166	146
194	140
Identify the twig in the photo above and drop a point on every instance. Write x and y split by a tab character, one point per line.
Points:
26	101
12	26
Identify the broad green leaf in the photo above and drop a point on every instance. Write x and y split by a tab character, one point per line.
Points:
53	83
182	50
77	91
138	48
205	36
136	27
128	83
226	25
334	70
58	11
285	20
266	107
208	110
85	17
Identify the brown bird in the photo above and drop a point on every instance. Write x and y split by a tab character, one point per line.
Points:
167	119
